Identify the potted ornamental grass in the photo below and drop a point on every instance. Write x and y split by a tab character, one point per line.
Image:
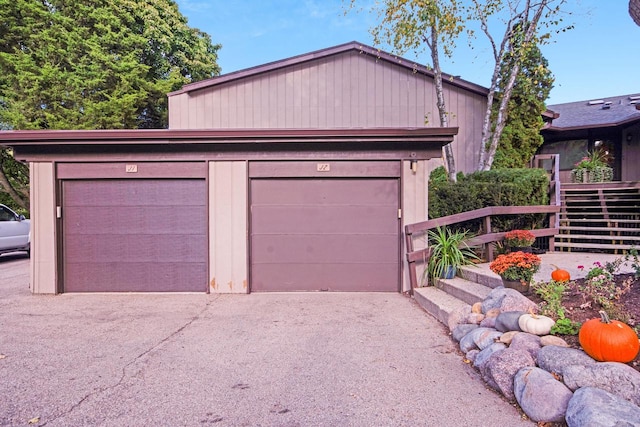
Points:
516	269
449	251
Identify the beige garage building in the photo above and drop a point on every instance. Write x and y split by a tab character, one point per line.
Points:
297	175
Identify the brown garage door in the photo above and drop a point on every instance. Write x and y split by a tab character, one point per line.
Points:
134	235
336	234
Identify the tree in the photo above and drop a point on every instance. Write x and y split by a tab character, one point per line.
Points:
95	64
521	32
413	24
521	137
407	23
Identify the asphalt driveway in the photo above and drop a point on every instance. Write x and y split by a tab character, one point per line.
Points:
297	359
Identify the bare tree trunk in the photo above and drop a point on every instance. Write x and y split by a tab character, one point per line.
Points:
491	137
447	150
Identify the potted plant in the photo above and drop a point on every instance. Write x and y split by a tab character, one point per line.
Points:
516	269
519	240
594	167
449	250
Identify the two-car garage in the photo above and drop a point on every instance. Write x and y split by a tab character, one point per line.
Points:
330	226
225	211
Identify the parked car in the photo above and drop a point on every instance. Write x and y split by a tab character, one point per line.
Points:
15	231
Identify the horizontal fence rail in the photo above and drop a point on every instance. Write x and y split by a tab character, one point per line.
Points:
484	239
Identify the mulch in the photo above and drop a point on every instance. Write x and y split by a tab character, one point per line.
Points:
579	309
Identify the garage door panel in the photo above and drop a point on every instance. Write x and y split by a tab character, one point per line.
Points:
108	193
135	235
138	277
325	191
135	219
137	248
332	248
324	277
336	219
338	234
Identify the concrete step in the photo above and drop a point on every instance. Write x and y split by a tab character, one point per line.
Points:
472	285
463	289
481	275
437	302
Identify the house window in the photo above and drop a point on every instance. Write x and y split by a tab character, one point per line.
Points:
571	151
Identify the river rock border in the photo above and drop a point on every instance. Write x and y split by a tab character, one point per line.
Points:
549	380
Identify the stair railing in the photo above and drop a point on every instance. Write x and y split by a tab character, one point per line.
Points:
485	239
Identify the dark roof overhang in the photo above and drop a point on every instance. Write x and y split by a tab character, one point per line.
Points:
228	136
632	120
28	143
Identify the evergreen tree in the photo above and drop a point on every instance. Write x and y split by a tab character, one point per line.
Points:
94	64
521	136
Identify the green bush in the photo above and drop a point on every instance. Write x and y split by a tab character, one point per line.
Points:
500	187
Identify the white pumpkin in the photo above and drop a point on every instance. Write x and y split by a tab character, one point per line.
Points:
536	324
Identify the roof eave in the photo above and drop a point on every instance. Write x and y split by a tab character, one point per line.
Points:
594	126
323	53
226	136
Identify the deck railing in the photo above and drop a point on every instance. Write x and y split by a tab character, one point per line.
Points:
486	238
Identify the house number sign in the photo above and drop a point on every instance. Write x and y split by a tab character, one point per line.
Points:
131	168
323	167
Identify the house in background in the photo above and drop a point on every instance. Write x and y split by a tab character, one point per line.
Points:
297	175
579	127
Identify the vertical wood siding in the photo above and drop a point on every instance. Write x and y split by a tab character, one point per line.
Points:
414	207
349	90
43	228
228	227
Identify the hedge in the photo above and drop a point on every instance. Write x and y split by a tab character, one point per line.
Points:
500	187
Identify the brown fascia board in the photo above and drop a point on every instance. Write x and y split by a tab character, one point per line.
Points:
550	114
223	136
598	126
323	53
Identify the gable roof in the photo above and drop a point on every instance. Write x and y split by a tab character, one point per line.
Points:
596	113
360	48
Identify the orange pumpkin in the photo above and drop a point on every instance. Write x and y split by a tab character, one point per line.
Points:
609	340
560	275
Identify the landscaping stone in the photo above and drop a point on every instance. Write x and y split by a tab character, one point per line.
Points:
488	322
481	358
616	378
493	312
555	359
502	367
472	355
476	308
457	316
486	338
508	321
507	337
542	397
591	406
507	300
527	342
474	318
552	340
468	342
461	330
